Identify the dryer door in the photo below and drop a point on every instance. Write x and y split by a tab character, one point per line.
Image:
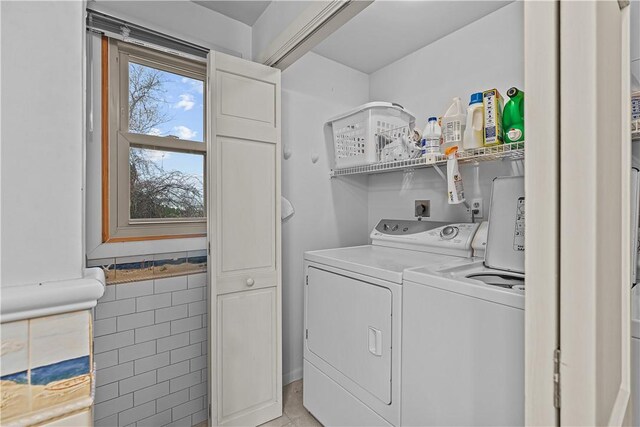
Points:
349	327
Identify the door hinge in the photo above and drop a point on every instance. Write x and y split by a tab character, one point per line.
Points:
307	280
306	334
209	248
556	378
209	410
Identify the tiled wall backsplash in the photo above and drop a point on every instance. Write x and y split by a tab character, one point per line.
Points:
151	350
146	267
45	363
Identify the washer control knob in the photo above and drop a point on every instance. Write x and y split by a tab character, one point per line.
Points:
449	232
385	227
250	282
395	227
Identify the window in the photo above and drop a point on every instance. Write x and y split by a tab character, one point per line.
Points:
154	178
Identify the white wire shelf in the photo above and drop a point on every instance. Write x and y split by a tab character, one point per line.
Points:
512	151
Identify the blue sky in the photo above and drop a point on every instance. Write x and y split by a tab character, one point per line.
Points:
185	106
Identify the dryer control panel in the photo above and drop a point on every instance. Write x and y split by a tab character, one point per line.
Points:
446	239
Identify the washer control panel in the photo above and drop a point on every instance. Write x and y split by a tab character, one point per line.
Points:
401	227
442	238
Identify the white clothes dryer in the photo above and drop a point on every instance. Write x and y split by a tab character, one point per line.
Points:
353	318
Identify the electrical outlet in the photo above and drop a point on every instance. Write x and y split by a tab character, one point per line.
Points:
476	208
422	208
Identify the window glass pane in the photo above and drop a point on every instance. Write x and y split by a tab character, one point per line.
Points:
165	104
166	184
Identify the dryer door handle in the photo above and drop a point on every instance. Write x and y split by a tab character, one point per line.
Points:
375	341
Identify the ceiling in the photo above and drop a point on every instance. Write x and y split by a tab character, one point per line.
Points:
389	30
240	10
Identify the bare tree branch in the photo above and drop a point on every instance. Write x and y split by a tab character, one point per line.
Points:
155	192
146	98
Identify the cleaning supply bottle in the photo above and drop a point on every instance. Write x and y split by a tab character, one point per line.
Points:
513	116
474	130
431	137
453	124
455	188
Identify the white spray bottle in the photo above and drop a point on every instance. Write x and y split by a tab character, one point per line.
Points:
455	188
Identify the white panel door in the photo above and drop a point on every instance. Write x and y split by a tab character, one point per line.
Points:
595	167
244	239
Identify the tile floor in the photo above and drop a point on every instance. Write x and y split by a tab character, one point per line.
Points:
295	415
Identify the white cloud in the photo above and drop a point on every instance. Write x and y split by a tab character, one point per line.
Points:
154	132
186	102
184	132
196	85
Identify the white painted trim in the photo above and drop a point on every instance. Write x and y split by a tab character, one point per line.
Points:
595	213
542	184
43	299
211	195
312	26
622	411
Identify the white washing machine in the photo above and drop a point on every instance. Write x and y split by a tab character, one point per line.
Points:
463	329
353	319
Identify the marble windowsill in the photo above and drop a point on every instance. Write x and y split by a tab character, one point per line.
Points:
149	267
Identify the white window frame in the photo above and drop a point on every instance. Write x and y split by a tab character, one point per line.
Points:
120	226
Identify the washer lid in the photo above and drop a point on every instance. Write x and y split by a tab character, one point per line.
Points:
378	261
505	238
463	279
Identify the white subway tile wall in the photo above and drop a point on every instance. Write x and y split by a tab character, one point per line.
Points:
150	350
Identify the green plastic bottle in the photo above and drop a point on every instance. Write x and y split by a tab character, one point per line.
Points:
513	116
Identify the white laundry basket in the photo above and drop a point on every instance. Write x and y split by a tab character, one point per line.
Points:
354	133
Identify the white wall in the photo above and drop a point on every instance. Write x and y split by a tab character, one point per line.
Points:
42	141
485	54
185	20
328	212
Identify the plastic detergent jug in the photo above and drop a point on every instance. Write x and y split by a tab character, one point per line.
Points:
473	133
453	124
431	137
513	116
